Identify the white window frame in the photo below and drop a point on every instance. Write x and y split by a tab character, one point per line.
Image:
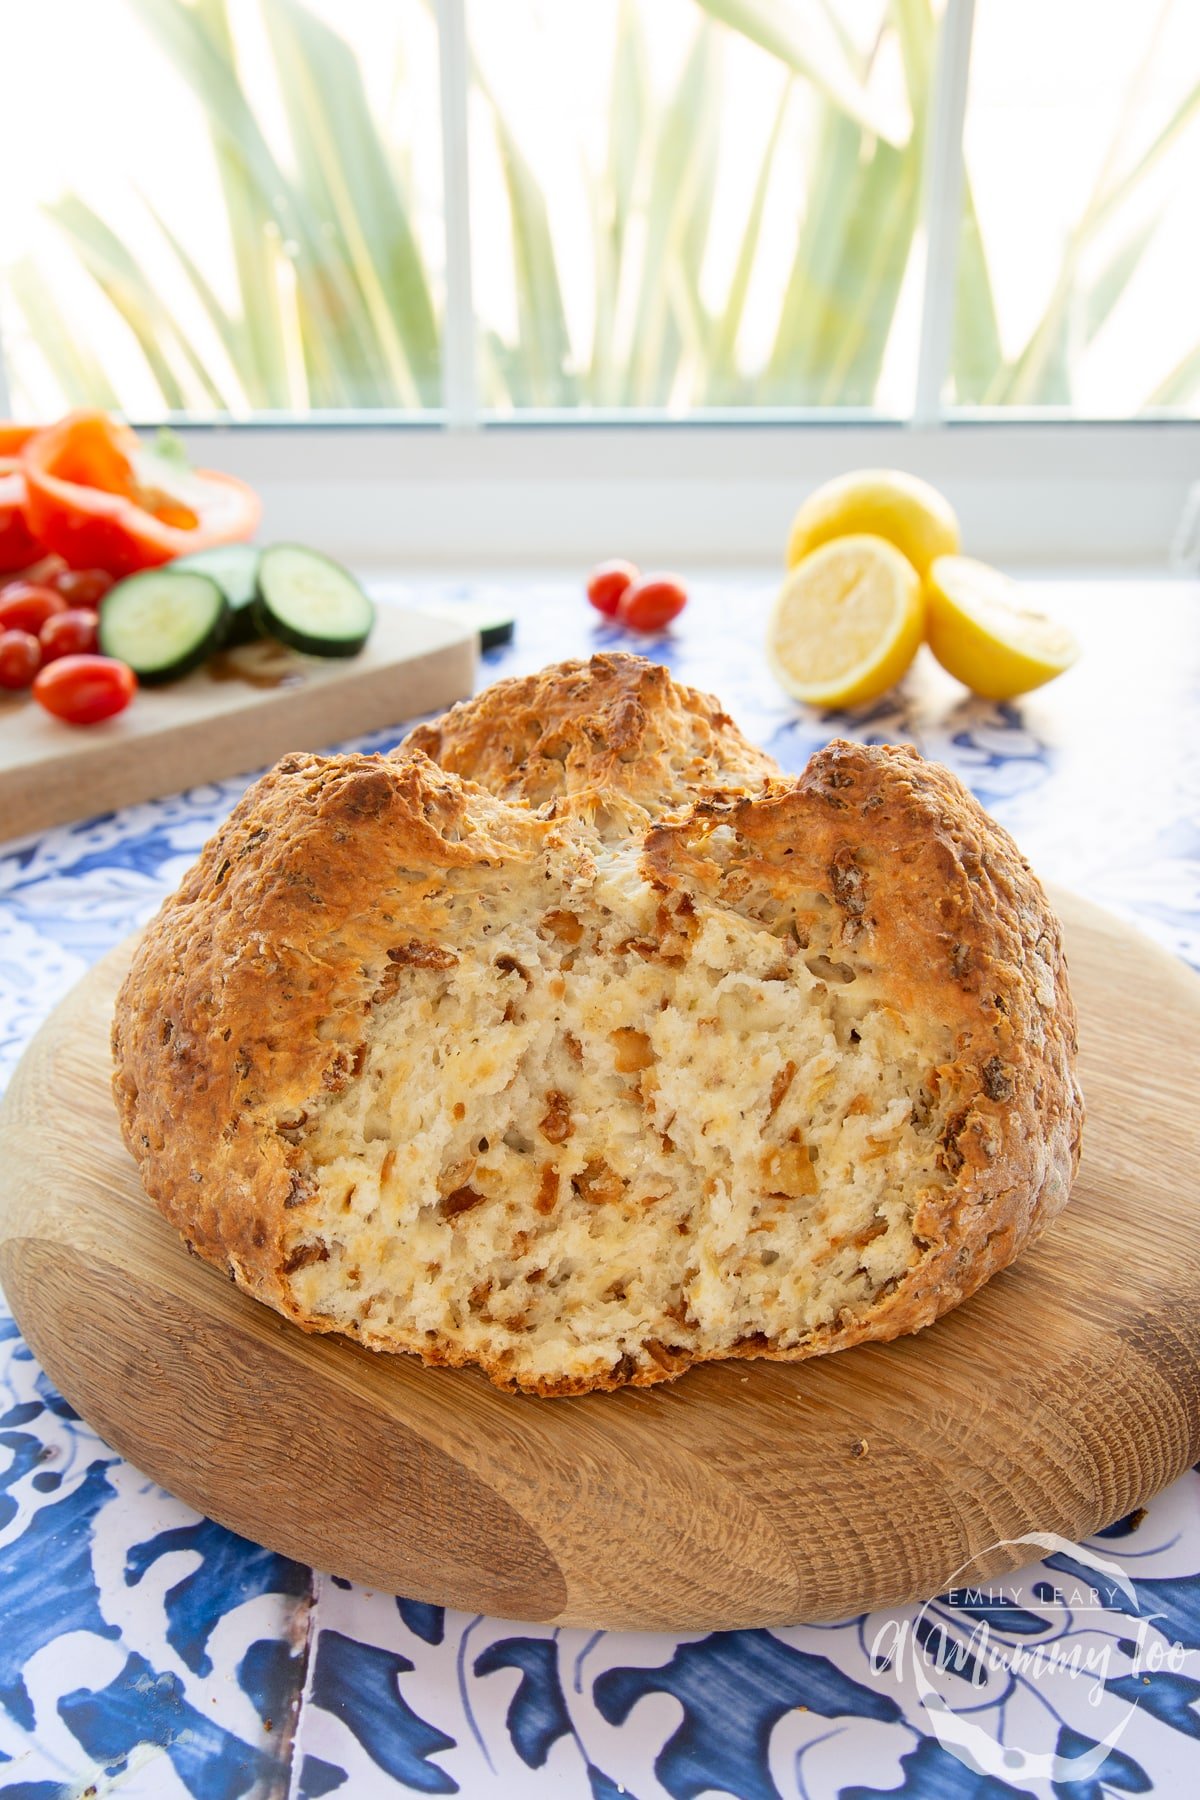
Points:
1035	493
460	486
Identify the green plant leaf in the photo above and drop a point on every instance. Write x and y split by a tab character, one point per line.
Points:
629	109
854	244
724	383
340	358
262	208
120	278
1109	199
1040	375
792	373
884	212
168	447
611	196
1100	299
853	55
196	41
684	160
916	34
352	189
231	331
798	33
78	371
330	278
870	272
259	332
496	385
541	317
975	351
1180	386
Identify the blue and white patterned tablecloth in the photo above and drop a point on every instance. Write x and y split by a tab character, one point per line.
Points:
148	1653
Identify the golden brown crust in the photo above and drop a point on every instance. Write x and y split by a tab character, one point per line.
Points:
578	733
248	994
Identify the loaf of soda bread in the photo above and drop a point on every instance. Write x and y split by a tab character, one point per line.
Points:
574	1041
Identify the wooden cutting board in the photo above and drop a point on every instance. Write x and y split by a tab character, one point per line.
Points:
1061	1397
242	710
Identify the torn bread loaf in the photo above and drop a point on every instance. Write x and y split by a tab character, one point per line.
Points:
575	1041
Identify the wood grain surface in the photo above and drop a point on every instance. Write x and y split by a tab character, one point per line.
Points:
237	713
1065	1394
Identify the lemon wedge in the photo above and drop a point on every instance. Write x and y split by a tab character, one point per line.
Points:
889	504
981	631
847	622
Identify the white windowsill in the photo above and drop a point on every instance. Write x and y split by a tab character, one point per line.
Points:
1047	493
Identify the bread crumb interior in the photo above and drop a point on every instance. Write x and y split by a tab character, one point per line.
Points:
598	1127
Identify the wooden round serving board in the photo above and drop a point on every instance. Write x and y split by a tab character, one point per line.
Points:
1062	1396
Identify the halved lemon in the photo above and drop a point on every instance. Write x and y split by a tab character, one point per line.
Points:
887	503
981	631
847	622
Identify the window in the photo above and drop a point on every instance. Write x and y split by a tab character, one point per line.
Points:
243	214
492	208
1079	269
667	215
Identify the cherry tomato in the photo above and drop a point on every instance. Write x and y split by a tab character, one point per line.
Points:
82	689
651	602
20	658
25	606
70	633
82	587
607	582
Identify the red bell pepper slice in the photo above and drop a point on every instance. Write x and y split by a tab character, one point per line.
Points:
100	499
18	546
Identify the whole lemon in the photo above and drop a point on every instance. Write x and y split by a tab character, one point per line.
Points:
886	503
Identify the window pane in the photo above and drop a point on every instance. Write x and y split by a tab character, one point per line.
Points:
1079	272
229	206
666	214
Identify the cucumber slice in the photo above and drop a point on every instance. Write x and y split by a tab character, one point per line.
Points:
311	603
234	568
496	629
163	622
